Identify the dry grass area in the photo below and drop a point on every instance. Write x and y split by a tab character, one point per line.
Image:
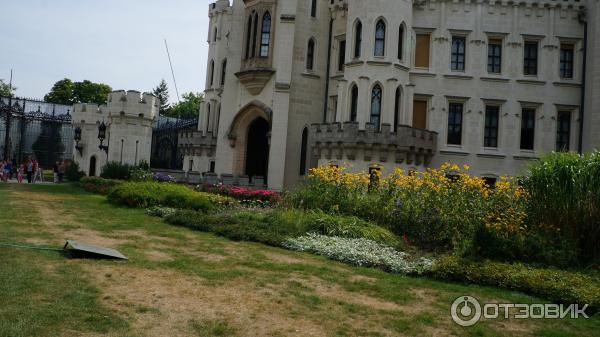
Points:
184	283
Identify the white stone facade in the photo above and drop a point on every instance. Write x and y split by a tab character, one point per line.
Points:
128	117
497	83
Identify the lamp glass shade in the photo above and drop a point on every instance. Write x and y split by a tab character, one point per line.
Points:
77	134
102	131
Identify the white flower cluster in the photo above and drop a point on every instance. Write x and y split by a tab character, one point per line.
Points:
359	252
161	212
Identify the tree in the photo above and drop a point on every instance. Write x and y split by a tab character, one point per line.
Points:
49	145
5	89
68	92
188	108
61	93
162	92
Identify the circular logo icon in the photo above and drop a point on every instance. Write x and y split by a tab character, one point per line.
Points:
466	311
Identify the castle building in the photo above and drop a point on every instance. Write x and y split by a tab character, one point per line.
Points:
128	118
494	84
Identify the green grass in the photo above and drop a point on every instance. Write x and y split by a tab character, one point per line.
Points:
44	294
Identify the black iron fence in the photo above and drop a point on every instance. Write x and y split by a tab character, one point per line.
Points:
165	137
34	128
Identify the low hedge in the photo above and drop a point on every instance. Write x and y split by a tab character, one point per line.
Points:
147	194
558	286
98	185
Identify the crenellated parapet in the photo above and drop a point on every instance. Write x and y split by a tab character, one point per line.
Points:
134	104
196	143
218	6
577	4
347	142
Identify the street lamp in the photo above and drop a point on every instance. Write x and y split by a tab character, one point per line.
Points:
77	139
102	137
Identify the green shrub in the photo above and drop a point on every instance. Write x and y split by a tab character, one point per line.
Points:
555	285
148	194
115	170
140	174
98	185
565	194
73	173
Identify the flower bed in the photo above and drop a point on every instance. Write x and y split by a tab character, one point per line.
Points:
250	197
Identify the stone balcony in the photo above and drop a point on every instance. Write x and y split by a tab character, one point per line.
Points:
196	143
346	141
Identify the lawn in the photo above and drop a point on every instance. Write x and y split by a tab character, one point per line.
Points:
180	282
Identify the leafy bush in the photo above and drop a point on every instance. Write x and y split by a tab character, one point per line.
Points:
359	252
140	174
98	185
115	170
73	173
558	286
565	199
161	212
148	194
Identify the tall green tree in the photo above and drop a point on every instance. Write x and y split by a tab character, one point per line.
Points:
68	92
189	107
5	89
162	92
61	93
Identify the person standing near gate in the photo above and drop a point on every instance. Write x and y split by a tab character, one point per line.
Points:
2	163
55	170
29	171
61	171
7	171
21	173
37	172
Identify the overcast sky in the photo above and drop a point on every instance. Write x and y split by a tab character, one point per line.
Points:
117	42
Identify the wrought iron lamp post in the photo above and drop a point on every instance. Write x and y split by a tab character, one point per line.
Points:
77	139
102	137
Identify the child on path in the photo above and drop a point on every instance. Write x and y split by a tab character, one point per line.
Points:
21	173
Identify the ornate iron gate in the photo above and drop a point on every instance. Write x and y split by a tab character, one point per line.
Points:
165	138
33	128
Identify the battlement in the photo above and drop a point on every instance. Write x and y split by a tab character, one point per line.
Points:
218	6
89	113
576	4
346	140
196	143
132	103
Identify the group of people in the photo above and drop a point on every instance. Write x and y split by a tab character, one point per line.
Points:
30	170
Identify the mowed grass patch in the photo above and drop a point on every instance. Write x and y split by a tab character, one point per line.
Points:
203	285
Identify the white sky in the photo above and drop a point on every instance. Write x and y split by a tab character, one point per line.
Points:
117	42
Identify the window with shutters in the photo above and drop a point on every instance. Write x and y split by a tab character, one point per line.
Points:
422	51
419	114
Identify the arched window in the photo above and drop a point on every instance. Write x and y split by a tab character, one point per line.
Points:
380	38
211	75
401	43
313	8
376	100
223	71
357	39
310	54
254	33
265	35
303	151
397	102
208	117
354	104
248	36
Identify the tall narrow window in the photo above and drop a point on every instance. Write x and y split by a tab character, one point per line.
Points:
313	8
215	34
223	71
380	38
419	114
310	55
455	116
211	75
357	39
208	117
397	108
354	104
376	99
342	55
248	36
494	56
530	58
265	35
217	120
457	59
527	129
422	51
566	60
254	33
563	131
492	114
401	43
303	151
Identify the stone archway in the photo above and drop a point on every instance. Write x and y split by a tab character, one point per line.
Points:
257	149
255	117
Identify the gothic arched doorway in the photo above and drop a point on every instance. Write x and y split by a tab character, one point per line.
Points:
92	170
257	148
